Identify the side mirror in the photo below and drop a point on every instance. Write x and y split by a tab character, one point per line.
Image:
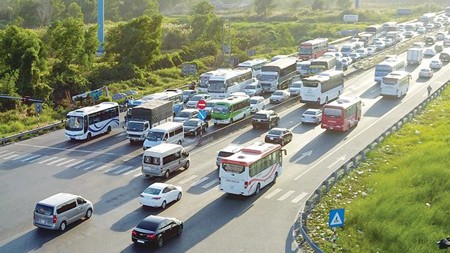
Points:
185	154
284	151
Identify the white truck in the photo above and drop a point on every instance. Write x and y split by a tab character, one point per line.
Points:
145	116
414	56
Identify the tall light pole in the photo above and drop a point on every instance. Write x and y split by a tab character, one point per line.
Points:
101	25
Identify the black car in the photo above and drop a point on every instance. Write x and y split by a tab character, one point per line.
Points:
280	136
155	230
265	118
194	126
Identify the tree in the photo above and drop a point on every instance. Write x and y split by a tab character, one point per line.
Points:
205	25
317	5
136	42
263	6
344	4
27	10
74	11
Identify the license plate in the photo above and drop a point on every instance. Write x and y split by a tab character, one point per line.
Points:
271	138
140	241
43	221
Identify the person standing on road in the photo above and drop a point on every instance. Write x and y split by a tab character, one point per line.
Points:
429	89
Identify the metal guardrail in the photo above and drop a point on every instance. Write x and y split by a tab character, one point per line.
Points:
301	224
23	135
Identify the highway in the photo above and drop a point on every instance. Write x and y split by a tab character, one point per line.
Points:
106	171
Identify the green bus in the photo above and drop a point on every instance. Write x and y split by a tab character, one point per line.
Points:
230	109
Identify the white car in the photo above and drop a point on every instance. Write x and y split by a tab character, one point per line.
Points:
435	64
421	30
429	52
362	52
426	73
312	116
380	45
253	89
160	194
371	51
192	103
257	104
294	88
185	114
279	96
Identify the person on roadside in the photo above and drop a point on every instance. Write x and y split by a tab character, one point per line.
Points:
429	89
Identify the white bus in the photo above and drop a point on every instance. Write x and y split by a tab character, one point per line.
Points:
322	88
254	65
252	168
277	75
204	78
87	122
387	66
395	84
223	84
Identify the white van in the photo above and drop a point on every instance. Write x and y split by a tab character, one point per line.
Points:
226	152
164	159
61	209
169	132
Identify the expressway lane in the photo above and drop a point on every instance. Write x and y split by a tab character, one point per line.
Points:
34	169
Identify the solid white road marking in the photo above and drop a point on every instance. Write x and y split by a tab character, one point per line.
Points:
84	164
102	167
112	168
286	195
55	161
122	170
75	163
299	197
11	156
90	167
199	181
210	183
131	171
30	158
66	162
7	154
48	159
187	179
270	195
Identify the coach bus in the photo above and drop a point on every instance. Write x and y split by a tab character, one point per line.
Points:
322	88
221	85
231	109
87	122
387	66
254	65
249	170
277	75
376	30
395	84
204	78
322	64
174	95
312	49
342	114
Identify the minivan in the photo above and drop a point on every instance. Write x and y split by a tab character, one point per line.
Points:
161	160
61	209
169	132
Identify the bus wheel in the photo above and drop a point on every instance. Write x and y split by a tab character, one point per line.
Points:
258	187
109	130
179	142
326	100
275	177
89	136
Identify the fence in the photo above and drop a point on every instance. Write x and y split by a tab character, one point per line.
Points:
300	226
26	134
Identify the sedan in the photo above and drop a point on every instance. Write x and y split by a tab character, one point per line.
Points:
435	64
194	127
160	194
426	73
253	89
185	114
280	136
155	230
429	52
312	116
279	96
371	51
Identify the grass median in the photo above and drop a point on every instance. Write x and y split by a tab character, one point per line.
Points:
398	200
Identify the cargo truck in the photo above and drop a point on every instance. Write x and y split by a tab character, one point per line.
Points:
145	116
414	56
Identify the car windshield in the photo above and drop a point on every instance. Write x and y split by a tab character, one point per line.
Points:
152	191
310	112
253	101
183	114
190	123
278	93
155	136
275	132
148	225
250	87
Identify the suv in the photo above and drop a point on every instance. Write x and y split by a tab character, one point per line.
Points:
266	118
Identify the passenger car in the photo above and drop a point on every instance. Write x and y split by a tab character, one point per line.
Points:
426	73
192	103
280	136
444	56
371	50
187	94
265	118
257	104
429	52
226	152
156	229
435	64
194	126
185	114
279	96
312	116
294	88
253	89
160	194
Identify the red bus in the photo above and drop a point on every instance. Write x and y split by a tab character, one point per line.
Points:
312	49
342	114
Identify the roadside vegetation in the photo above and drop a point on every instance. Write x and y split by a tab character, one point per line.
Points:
398	200
47	48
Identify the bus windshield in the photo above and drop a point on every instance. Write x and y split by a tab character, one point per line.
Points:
74	123
155	136
223	109
267	77
332	112
216	86
305	50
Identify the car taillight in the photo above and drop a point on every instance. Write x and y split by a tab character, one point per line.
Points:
54	219
156	198
245	184
151	236
134	232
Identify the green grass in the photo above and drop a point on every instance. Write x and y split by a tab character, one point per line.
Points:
399	199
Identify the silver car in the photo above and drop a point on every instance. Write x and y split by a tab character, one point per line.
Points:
312	116
279	96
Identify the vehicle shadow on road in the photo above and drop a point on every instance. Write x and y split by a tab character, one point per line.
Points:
130	220
381	107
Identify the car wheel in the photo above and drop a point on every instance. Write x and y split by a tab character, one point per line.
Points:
180	230
179	142
88	213
166	174
63	225
186	166
196	133
163	205
179	196
258	188
160	241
